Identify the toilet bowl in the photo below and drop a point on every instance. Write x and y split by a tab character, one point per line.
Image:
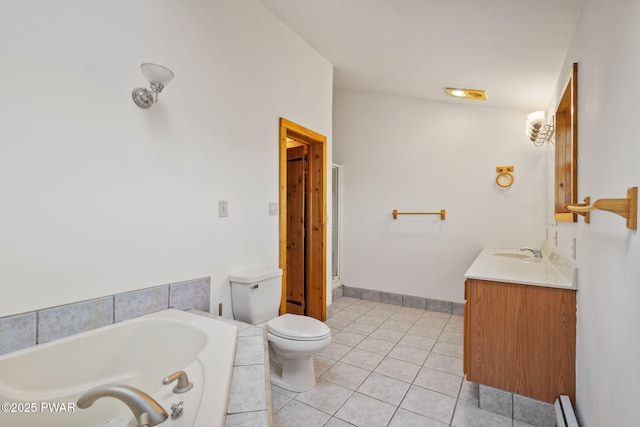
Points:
293	340
255	297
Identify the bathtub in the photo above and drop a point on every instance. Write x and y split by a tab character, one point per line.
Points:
40	385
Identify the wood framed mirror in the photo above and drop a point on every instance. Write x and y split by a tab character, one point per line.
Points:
566	158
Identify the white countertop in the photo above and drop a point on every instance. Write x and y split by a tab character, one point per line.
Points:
551	270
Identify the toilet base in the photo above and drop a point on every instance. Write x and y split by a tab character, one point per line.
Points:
293	374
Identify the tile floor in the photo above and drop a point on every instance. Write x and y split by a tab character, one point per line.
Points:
391	366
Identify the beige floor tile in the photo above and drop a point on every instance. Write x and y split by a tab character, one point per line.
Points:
291	415
288	393
360	328
403	316
453	337
346	315
396	325
337	323
418	341
409	354
404	418
436	315
279	400
370	320
325	396
425	331
398	369
451	365
362	359
429	403
432	322
380	312
384	388
345	375
335	351
337	422
469	415
376	345
387	335
321	364
358	308
439	381
362	410
448	349
348	338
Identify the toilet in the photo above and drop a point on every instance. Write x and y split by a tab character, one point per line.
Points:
255	297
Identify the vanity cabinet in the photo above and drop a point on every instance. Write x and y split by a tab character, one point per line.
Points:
520	338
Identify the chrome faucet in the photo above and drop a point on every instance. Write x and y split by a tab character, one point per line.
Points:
146	410
536	252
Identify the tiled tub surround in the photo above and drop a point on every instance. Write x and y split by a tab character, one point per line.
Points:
448	307
394	366
250	396
37	327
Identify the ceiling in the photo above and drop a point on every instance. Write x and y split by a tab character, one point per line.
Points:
514	49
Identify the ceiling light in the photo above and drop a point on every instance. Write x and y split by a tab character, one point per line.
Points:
478	94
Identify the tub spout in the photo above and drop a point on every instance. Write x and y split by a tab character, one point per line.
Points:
146	410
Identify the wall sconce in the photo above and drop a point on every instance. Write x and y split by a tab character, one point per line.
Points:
537	130
158	77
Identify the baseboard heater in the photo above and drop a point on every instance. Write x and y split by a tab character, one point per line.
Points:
565	417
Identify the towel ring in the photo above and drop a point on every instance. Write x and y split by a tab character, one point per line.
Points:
504	171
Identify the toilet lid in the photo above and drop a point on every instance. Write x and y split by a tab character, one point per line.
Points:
299	328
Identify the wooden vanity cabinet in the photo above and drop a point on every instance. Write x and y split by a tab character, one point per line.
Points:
520	338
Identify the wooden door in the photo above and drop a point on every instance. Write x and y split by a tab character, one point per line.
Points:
314	260
296	214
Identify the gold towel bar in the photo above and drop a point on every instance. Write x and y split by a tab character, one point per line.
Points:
626	208
442	213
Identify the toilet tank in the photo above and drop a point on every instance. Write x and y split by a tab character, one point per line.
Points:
255	295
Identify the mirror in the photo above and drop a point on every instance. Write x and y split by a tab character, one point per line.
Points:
566	155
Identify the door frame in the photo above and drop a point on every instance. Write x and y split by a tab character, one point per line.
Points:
316	287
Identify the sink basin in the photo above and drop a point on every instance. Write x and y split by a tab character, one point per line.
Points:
512	255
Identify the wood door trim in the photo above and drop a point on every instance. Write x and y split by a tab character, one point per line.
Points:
316	306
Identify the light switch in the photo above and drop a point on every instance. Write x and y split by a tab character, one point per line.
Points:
273	208
223	209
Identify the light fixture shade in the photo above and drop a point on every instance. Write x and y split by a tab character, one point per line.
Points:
536	118
156	73
537	130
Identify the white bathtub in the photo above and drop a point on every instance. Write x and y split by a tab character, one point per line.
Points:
40	385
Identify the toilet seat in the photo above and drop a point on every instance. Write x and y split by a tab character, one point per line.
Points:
298	328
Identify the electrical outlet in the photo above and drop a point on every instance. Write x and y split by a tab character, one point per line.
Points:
223	208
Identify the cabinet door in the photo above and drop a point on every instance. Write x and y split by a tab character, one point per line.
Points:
521	338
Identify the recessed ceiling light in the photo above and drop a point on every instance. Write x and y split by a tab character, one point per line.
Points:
478	94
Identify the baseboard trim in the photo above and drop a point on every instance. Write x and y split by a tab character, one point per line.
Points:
449	307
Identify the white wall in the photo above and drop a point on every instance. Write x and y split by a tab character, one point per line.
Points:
98	196
417	155
608	345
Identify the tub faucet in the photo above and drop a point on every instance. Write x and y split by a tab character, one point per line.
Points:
183	385
146	410
536	252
